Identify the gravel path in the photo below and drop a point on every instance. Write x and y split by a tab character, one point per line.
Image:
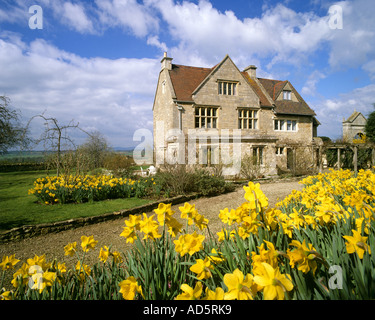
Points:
107	233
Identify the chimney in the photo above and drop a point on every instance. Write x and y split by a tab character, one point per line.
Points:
166	62
251	71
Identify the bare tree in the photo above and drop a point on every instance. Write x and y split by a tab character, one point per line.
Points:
54	135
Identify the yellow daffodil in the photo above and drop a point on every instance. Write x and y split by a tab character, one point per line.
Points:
239	287
88	243
9	262
130	234
189	293
70	249
304	255
163	212
274	284
104	254
129	288
255	196
188	212
149	227
357	243
189	243
218	294
202	268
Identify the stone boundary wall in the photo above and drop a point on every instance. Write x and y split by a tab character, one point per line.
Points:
29	231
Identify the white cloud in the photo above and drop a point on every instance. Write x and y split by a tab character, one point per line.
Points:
128	14
310	86
98	93
74	16
204	33
154	41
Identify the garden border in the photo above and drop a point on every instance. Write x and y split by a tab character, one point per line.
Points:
29	231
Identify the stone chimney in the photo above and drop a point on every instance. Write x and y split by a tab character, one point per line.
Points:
251	71
166	62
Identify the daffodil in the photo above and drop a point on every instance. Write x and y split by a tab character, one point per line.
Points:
88	243
304	255
357	243
129	288
218	294
130	234
189	243
70	249
188	212
255	196
239	287
274	284
202	268
163	212
149	227
189	293
104	254
9	262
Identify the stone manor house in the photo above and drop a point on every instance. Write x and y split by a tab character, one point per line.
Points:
220	114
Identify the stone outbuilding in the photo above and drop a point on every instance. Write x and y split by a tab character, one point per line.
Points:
353	127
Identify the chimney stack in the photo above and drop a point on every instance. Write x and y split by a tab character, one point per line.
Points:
251	71
166	62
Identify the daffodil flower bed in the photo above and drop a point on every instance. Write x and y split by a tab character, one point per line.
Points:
78	189
315	244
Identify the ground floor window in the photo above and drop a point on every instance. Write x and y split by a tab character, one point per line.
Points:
257	155
279	150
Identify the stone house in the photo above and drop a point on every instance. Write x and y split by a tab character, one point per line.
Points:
220	114
353	127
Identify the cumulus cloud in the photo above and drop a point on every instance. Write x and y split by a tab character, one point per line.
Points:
98	93
128	14
74	15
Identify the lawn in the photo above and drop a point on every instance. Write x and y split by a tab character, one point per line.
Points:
17	208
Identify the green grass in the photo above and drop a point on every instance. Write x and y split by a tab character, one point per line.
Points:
17	208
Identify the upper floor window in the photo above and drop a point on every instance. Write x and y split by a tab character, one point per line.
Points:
227	88
205	117
287	95
285	125
247	119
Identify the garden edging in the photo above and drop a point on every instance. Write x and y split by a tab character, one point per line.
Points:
29	231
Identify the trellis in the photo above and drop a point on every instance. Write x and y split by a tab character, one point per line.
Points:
354	147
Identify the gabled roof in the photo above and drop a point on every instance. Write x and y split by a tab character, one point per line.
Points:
354	116
186	80
274	88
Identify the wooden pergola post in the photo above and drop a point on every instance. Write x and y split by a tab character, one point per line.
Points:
338	158
355	160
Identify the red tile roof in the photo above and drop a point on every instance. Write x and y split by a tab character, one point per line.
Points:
186	79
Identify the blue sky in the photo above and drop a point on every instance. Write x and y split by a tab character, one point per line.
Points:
97	62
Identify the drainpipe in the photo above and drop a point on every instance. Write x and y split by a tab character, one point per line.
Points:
180	109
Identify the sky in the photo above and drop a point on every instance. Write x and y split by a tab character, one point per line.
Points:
97	63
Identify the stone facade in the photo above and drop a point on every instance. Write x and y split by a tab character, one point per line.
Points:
353	127
220	114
